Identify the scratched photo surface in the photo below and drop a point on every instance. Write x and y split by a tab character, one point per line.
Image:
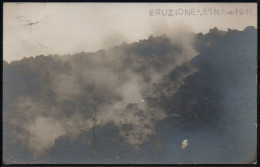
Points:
129	83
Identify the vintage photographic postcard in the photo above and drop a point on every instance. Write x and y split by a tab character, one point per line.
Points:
129	83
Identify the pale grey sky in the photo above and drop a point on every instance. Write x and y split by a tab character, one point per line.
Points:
67	28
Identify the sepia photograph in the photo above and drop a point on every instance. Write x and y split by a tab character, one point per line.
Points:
129	83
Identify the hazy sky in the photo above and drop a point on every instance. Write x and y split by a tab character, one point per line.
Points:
67	28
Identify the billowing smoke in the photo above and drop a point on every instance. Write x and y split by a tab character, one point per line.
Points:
128	101
108	86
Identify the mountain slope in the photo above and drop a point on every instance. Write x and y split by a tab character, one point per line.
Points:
135	103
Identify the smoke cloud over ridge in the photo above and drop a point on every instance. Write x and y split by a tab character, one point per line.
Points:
138	96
